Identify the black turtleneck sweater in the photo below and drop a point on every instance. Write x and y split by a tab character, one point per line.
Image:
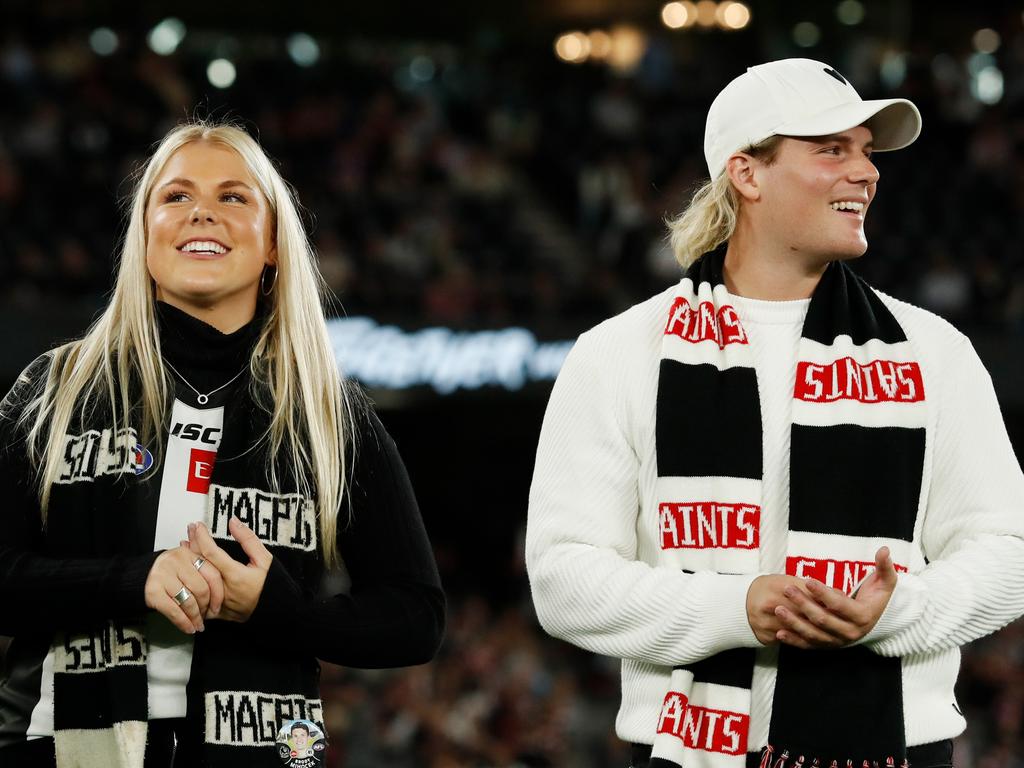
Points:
394	582
387	555
204	355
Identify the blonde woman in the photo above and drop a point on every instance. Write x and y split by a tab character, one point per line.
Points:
178	480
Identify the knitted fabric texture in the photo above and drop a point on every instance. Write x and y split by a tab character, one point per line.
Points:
859	424
246	678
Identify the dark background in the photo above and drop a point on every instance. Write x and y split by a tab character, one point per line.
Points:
454	172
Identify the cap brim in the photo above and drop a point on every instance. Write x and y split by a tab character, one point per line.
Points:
894	123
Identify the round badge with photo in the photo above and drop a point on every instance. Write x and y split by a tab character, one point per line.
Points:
301	744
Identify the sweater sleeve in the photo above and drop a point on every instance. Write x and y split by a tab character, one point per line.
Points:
394	612
581	543
973	531
49	592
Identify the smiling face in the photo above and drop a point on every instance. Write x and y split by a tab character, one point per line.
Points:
816	193
208	235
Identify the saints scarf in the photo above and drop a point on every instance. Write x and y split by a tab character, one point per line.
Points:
856	463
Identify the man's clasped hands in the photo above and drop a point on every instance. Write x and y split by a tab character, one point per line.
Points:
808	614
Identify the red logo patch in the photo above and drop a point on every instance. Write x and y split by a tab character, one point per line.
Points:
712	730
843	575
703	324
200	469
709	525
880	381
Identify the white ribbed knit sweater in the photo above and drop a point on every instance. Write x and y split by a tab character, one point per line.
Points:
592	543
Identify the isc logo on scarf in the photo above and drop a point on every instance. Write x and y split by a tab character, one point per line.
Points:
712	730
196	433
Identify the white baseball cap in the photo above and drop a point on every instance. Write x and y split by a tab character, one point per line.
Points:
799	97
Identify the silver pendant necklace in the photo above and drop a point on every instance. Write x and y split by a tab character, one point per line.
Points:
203	399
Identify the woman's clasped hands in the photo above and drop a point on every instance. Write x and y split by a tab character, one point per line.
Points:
198	580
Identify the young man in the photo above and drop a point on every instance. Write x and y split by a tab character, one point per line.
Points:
782	498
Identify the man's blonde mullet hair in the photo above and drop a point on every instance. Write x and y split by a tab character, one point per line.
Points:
310	405
710	218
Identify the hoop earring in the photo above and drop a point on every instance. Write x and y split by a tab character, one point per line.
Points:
263	282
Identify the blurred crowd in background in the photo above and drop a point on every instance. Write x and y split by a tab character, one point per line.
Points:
499	694
481	184
486	183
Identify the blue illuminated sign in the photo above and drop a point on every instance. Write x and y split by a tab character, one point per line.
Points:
386	357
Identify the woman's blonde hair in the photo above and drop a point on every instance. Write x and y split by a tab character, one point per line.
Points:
310	405
710	218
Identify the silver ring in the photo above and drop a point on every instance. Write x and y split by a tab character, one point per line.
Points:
198	563
181	596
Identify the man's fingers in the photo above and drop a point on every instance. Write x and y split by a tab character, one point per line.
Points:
792	639
882	558
795	624
251	544
833	600
884	566
818	615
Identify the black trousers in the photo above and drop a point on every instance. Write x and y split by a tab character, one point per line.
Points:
160	751
938	754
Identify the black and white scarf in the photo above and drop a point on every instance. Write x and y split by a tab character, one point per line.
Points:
100	708
856	463
246	678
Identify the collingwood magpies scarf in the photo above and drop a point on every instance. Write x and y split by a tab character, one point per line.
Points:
856	463
246	678
99	693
